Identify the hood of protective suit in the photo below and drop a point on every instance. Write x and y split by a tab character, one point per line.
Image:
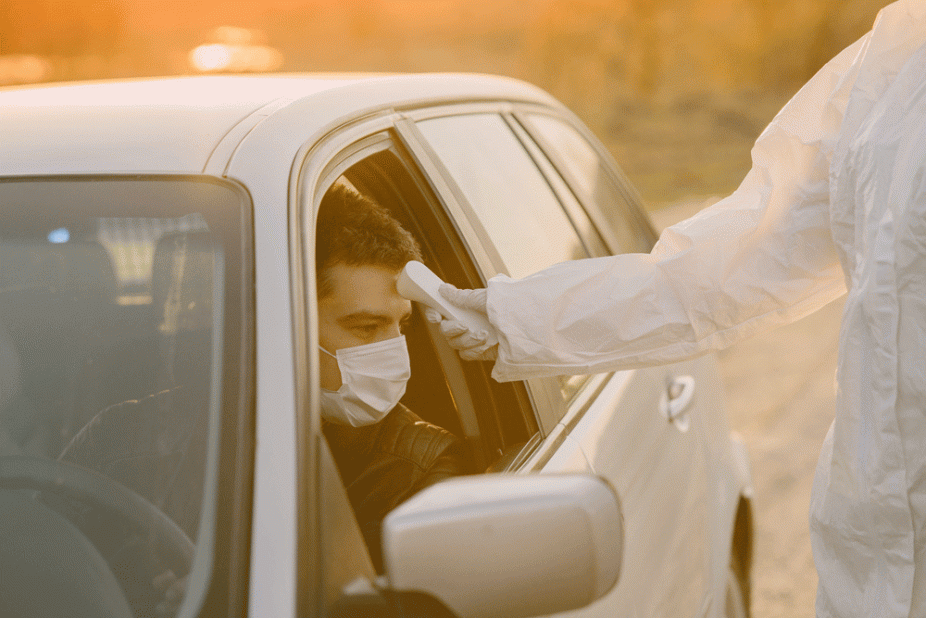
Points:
835	202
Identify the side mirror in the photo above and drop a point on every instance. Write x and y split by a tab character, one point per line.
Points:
507	545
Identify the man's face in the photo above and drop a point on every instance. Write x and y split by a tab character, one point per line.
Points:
363	307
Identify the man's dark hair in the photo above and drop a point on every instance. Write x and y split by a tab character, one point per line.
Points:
355	231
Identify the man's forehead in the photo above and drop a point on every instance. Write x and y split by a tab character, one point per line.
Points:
368	289
351	280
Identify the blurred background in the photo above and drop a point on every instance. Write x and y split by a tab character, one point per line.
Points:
678	90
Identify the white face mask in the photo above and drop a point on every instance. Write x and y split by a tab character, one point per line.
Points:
373	379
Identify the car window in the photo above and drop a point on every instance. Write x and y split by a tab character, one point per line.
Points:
592	179
510	196
114	297
468	421
513	200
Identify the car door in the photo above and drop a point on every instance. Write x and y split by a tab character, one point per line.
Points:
524	215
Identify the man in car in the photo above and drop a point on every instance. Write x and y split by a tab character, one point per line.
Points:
384	452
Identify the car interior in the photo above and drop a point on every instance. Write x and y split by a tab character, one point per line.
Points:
73	349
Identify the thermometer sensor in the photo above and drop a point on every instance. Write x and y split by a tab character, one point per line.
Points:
418	283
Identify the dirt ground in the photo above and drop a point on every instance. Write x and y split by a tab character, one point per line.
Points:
781	399
688	147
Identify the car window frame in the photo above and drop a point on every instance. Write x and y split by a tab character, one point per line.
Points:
309	165
604	242
593	241
318	164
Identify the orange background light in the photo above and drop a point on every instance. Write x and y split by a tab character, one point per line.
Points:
678	89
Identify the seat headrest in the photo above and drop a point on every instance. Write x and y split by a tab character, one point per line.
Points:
182	280
10	378
84	267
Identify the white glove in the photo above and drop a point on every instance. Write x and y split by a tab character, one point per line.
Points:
471	345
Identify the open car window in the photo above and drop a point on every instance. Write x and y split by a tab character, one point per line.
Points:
491	421
443	389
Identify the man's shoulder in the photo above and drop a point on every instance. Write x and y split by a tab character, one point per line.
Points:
405	434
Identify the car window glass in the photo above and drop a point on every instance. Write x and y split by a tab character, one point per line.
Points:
509	195
591	178
112	309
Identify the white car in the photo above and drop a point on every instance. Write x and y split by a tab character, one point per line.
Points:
158	364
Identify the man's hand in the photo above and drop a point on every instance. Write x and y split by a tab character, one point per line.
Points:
173	589
471	345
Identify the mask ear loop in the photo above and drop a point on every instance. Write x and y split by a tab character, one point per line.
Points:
335	358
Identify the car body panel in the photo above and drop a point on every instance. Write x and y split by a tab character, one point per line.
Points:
145	125
627	441
173	125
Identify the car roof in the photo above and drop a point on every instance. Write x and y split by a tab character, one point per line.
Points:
173	125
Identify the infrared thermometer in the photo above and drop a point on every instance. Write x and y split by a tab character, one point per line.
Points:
416	282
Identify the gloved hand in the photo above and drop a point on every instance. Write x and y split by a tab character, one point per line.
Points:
471	345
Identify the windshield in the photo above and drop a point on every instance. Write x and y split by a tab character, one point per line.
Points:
114	296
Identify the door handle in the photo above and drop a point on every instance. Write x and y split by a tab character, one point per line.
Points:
676	401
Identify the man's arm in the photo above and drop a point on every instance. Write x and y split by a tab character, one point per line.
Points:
407	455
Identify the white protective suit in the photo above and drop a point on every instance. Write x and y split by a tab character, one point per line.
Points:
835	201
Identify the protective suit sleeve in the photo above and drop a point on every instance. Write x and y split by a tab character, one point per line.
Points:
762	257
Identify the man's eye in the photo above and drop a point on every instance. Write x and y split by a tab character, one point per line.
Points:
366	330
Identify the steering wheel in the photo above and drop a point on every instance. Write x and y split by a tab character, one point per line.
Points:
101	492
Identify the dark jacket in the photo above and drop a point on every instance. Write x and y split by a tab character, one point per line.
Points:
384	464
155	446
